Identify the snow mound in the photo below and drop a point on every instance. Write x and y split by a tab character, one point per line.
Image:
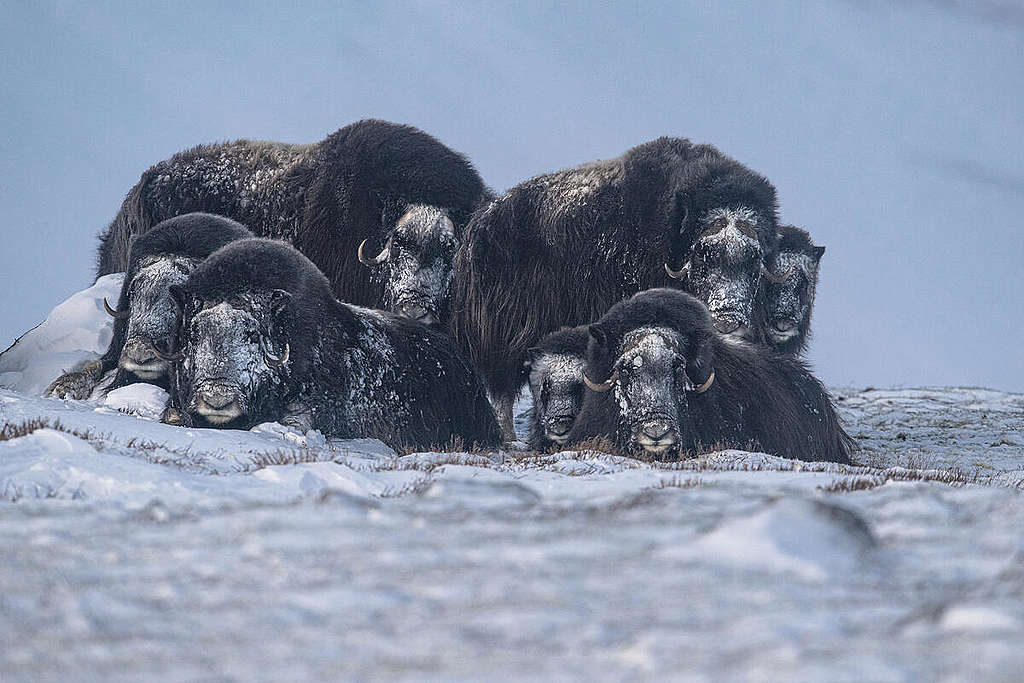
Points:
77	331
144	400
812	539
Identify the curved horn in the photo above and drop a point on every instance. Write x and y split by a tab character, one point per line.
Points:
707	385
772	277
168	357
277	362
112	313
678	274
379	258
604	386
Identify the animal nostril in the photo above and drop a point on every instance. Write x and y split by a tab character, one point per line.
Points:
656	430
217	400
140	353
561	425
784	325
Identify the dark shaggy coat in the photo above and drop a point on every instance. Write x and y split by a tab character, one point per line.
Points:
791	302
191	236
559	249
757	399
324	198
350	371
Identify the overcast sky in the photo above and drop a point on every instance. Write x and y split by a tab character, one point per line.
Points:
894	134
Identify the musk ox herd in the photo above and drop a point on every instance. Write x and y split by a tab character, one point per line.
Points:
371	285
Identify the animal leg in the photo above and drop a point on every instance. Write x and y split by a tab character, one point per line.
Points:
173	416
503	409
299	416
77	385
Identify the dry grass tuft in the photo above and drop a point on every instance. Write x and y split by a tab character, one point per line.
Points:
12	430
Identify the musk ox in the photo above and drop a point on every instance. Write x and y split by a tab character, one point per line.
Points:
791	290
560	248
262	338
145	318
662	380
334	200
554	369
416	264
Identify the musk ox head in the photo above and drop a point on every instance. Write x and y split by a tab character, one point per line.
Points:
555	372
725	269
152	315
654	372
234	357
791	291
415	264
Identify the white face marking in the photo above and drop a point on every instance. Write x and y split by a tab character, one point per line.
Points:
558	378
728	266
225	361
646	391
153	317
790	301
420	268
730	238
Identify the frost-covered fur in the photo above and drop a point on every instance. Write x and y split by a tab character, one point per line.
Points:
162	257
324	198
560	248
418	271
347	371
555	373
659	346
724	271
790	303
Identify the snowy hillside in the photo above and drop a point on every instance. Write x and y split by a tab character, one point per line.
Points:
135	549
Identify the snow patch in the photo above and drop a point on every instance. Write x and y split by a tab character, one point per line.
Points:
140	399
78	330
811	539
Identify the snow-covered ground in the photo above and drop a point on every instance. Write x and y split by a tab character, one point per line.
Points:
137	550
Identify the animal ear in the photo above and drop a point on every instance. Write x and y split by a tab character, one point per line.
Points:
279	299
701	363
818	253
598	333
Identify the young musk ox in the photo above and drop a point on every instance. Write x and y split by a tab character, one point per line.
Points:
791	291
560	248
263	338
555	371
336	200
145	319
663	381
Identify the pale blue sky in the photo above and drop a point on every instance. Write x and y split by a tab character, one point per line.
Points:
895	134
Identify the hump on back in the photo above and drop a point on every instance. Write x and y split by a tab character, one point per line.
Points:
350	190
559	249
